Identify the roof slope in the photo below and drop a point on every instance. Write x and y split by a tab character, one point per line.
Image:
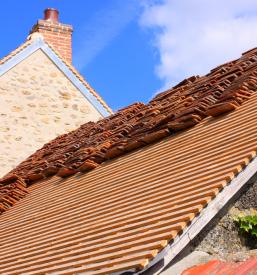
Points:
119	216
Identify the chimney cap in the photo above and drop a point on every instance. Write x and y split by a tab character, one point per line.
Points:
51	14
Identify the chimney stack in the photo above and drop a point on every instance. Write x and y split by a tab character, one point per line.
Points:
58	35
51	15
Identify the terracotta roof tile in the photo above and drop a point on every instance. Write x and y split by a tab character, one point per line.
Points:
118	216
216	267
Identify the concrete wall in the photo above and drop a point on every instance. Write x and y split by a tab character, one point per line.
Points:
37	103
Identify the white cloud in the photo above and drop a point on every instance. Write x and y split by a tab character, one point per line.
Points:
100	29
193	36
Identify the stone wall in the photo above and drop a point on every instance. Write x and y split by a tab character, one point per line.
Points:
221	236
37	103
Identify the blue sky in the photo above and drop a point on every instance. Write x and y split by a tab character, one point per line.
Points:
128	50
110	49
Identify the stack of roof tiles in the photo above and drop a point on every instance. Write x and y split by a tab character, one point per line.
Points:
224	89
119	216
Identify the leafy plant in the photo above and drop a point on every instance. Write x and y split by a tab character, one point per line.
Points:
247	223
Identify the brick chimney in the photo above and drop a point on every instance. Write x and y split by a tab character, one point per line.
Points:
58	35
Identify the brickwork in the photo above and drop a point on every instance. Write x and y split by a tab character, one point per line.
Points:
38	102
58	35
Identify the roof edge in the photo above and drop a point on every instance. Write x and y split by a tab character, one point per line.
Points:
79	77
199	222
19	54
30	46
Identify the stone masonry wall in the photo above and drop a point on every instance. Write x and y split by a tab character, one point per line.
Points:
221	237
37	103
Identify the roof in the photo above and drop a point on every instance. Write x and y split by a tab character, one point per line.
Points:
155	180
216	267
35	42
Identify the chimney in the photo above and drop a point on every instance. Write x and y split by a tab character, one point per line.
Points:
58	35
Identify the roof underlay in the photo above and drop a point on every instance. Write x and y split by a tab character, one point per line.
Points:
124	214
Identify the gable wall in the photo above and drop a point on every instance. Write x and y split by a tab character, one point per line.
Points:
38	102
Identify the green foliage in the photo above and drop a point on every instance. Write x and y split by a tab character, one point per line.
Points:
247	224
